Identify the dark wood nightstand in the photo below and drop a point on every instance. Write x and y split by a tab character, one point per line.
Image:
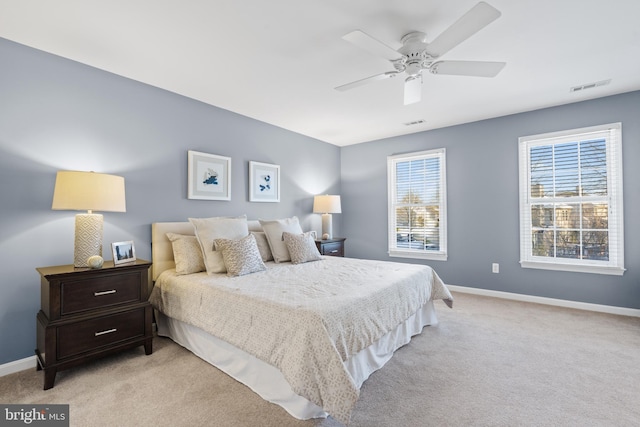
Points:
331	247
86	314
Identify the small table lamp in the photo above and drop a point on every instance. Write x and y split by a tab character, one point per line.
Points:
326	205
88	191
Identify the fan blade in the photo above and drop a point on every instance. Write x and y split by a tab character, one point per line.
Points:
368	43
362	82
470	23
413	89
467	68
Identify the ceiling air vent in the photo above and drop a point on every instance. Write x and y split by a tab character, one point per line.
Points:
416	122
590	85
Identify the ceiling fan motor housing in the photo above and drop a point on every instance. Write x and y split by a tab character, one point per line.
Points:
414	51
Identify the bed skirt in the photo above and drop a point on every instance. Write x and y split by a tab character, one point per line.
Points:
267	381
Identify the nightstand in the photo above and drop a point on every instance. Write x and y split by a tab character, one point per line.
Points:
331	247
86	314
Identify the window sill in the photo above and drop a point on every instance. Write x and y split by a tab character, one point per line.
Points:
435	256
614	271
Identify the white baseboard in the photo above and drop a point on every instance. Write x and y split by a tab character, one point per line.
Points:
622	311
18	365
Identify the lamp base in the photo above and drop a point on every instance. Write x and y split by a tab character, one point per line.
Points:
327	226
88	239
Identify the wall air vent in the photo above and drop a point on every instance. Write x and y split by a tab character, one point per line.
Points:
416	122
590	85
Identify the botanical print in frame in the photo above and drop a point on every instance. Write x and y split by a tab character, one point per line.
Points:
209	176
264	182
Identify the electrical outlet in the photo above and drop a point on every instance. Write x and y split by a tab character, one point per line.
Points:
495	267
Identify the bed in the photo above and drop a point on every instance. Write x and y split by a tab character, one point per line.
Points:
303	335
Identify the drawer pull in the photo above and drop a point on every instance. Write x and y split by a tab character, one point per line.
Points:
108	331
97	294
335	251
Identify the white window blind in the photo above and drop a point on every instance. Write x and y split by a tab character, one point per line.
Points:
571	200
417	205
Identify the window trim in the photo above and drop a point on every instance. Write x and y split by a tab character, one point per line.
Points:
615	265
393	250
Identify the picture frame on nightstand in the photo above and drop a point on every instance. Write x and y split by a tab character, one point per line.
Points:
123	252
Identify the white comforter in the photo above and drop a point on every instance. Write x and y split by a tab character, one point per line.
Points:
304	319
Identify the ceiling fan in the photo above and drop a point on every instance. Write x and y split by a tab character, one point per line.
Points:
416	54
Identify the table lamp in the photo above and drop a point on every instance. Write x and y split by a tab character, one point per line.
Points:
327	205
90	191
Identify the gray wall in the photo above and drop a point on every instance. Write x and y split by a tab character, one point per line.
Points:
482	178
56	114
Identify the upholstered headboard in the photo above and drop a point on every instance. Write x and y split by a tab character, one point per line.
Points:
161	248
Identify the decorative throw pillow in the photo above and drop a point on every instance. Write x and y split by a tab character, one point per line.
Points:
209	229
186	253
302	247
263	245
274	229
240	256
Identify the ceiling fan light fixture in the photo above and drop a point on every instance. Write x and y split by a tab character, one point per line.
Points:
413	89
413	69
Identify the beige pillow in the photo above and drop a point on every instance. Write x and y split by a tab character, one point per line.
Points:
254	225
263	245
302	247
240	256
209	229
187	253
274	229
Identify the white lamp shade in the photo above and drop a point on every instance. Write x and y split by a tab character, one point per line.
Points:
88	191
327	204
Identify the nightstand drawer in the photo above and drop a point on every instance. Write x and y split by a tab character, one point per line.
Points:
92	334
333	249
99	292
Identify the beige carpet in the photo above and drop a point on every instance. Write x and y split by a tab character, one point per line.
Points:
489	362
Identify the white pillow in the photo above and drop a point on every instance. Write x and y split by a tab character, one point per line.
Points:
209	229
263	245
187	253
241	256
274	229
302	247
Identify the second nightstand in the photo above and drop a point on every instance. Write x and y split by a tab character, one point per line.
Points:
331	247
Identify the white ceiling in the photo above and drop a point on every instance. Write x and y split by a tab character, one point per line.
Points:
278	61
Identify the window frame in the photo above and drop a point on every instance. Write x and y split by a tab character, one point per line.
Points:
612	133
393	250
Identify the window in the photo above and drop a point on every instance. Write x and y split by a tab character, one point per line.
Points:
417	205
571	200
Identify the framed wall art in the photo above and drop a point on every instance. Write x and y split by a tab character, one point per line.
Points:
123	252
264	182
209	176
